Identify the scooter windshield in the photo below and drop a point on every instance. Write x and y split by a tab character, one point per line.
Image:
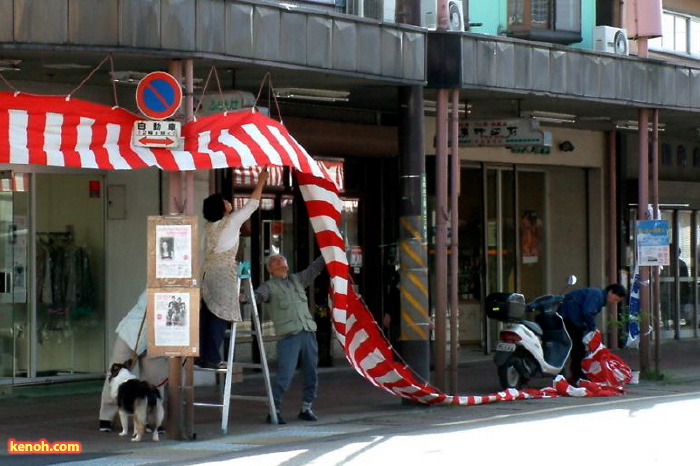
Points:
545	302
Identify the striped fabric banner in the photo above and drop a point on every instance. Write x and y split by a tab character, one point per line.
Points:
55	131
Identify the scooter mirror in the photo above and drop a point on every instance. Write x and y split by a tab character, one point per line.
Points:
571	280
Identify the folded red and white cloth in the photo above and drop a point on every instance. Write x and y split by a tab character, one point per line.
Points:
602	366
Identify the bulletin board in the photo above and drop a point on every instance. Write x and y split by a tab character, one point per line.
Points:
172	251
173	321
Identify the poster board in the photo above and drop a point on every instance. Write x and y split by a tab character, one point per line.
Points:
653	243
172	251
173	321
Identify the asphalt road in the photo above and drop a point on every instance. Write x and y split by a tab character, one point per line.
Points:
651	425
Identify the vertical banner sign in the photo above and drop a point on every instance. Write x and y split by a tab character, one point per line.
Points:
633	316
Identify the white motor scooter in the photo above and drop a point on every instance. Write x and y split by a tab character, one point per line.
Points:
528	349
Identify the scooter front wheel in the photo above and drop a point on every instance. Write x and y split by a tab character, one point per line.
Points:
509	376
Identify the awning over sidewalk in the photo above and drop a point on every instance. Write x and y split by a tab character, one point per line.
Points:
61	132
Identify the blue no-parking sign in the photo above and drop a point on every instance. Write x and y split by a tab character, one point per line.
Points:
158	95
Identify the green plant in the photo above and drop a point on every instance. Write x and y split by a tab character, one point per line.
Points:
653	375
623	320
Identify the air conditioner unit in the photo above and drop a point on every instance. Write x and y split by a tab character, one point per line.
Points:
456	11
428	14
611	40
382	10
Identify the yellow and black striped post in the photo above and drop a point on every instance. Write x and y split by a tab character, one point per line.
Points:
413	253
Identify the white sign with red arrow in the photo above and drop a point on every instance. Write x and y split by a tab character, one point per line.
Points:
150	133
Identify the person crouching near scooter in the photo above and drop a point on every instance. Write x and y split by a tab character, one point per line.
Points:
579	310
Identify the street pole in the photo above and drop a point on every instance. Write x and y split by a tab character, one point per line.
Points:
188	389
441	181
174	405
413	248
643	196
655	271
643	202
454	239
612	235
440	291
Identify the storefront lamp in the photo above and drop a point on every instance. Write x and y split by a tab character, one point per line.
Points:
566	146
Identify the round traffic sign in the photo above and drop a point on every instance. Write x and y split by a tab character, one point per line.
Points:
158	95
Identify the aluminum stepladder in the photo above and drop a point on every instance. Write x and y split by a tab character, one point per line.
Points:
226	397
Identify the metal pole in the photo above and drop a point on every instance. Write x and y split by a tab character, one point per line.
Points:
656	283
612	234
454	250
175	198
440	291
643	202
188	389
189	207
174	423
643	195
443	15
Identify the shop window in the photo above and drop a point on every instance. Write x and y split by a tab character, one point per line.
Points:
680	34
666	154
681	156
248	176
556	21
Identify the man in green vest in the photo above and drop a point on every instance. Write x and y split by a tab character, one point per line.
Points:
288	308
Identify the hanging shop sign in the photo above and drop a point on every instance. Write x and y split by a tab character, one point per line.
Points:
653	244
503	133
214	103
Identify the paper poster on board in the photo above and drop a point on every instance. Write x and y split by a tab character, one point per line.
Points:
172	251
171	319
174	257
173	316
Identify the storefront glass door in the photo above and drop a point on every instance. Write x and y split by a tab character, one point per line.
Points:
500	230
677	297
516	210
15	322
516	260
678	282
68	276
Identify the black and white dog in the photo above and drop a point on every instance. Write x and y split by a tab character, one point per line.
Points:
136	398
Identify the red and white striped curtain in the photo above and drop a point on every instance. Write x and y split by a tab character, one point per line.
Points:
56	131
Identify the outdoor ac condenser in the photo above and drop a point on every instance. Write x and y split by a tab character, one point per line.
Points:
455	11
611	40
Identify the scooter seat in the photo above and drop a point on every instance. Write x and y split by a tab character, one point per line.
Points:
532	326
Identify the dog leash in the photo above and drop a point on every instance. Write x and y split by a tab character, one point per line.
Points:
138	336
136	345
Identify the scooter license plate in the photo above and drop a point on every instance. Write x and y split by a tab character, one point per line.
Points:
502	346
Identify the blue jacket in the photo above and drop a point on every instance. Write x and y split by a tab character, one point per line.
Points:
582	305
